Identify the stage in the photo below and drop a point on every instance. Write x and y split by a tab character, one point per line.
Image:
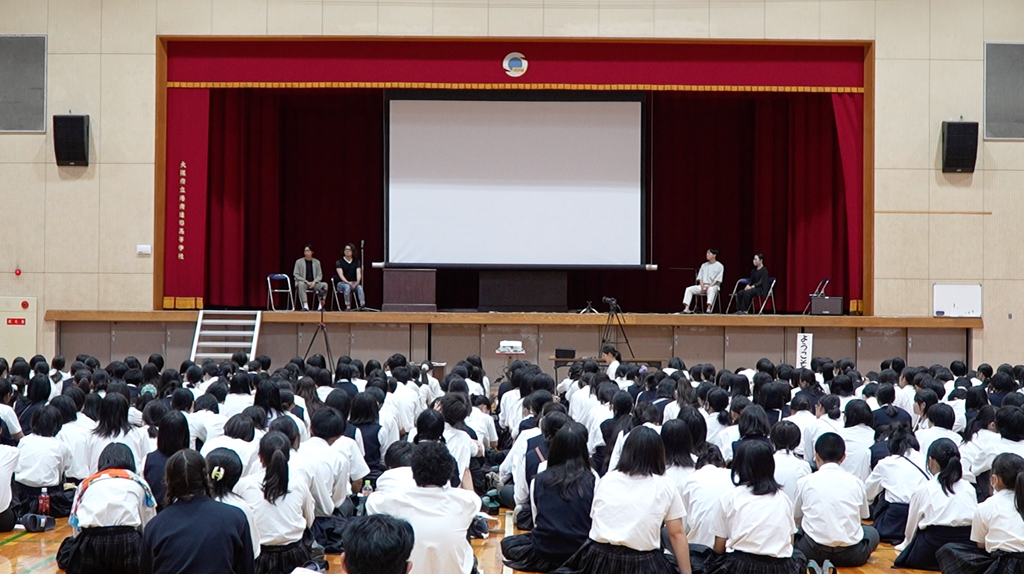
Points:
729	341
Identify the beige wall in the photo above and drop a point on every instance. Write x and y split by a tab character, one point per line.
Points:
73	231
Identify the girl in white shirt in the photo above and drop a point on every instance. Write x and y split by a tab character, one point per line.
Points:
717	407
899	475
679	459
789	468
42	461
997	530
611	356
112	426
630	505
940	511
110	510
859	435
981	435
828	413
282	507
803	418
755	520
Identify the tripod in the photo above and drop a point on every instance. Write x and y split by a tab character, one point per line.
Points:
321	328
362	273
615	321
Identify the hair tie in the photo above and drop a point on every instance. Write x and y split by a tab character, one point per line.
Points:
217	473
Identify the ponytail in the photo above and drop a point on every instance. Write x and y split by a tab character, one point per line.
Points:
947	455
274	447
901	439
830	404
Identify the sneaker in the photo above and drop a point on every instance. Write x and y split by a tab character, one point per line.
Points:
305	307
813	568
687	312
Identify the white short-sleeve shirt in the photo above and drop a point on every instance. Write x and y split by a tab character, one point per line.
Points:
629	510
756	524
998	525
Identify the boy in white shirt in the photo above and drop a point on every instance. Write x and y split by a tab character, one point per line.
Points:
829	506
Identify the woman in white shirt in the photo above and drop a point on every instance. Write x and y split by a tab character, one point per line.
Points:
828	413
940	511
717	407
981	435
239	395
110	510
631	503
282	507
803	418
899	475
224	468
679	459
755	521
611	356
859	435
997	543
112	426
789	468
42	461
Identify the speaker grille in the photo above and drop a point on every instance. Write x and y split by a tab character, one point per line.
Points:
71	140
959	146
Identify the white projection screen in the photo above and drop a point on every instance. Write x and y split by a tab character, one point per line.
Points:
515	183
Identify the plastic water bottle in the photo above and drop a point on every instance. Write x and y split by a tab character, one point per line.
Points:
44	502
367	489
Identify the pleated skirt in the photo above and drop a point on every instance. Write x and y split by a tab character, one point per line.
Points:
113	549
744	563
520	554
282	559
970	559
920	553
600	558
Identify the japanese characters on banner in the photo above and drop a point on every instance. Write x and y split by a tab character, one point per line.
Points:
804	350
185	192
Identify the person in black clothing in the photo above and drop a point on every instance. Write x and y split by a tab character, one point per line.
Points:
563	494
888	411
175	541
350	277
757	286
172	436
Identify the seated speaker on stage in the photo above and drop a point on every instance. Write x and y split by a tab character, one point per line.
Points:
709	282
757	285
308	274
350	277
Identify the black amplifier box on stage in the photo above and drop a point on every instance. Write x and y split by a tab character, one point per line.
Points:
565	353
826	306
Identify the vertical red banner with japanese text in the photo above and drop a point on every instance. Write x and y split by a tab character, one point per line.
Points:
185	231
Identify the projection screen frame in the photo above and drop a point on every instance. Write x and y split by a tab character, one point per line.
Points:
523	96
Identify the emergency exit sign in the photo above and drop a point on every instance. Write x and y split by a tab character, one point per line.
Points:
16	322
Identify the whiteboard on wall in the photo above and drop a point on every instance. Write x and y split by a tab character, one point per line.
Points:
957	300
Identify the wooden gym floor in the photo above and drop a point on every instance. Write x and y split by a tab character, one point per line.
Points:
24	553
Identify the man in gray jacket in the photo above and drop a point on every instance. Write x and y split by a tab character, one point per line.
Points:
308	274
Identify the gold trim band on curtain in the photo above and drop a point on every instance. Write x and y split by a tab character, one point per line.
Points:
592	87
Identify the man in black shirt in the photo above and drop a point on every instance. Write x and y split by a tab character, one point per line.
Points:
350	277
757	286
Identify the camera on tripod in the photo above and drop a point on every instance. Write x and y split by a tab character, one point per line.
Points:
610	301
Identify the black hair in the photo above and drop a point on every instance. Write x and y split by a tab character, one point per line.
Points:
327	424
800	403
429	426
696	424
113	416
398	454
364	410
431	463
91	406
830	405
185	476
274	451
753	465
785	436
257	415
945	453
859	413
116	455
66	406
986	416
224	468
901	439
240	426
678	446
643	453
455	406
568	461
830	447
182	400
611	350
47	421
286	426
207	402
1010	470
754	422
719	401
377	544
710	454
268	397
172	434
39	388
942	415
1010	423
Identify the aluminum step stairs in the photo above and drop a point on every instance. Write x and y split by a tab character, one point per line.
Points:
219	334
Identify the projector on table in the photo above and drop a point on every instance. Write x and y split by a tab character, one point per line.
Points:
510	348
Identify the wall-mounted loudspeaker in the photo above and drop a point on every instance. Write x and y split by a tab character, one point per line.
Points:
959	146
71	140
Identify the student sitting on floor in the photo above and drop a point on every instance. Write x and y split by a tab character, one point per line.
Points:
898	475
112	426
560	500
789	468
111	507
225	469
172	436
700	494
8	462
630	505
940	511
755	519
829	506
379	545
440	516
42	461
997	530
176	541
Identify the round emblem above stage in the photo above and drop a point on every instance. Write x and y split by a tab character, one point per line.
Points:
515	64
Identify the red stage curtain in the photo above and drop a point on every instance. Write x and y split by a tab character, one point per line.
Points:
849	111
244	197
